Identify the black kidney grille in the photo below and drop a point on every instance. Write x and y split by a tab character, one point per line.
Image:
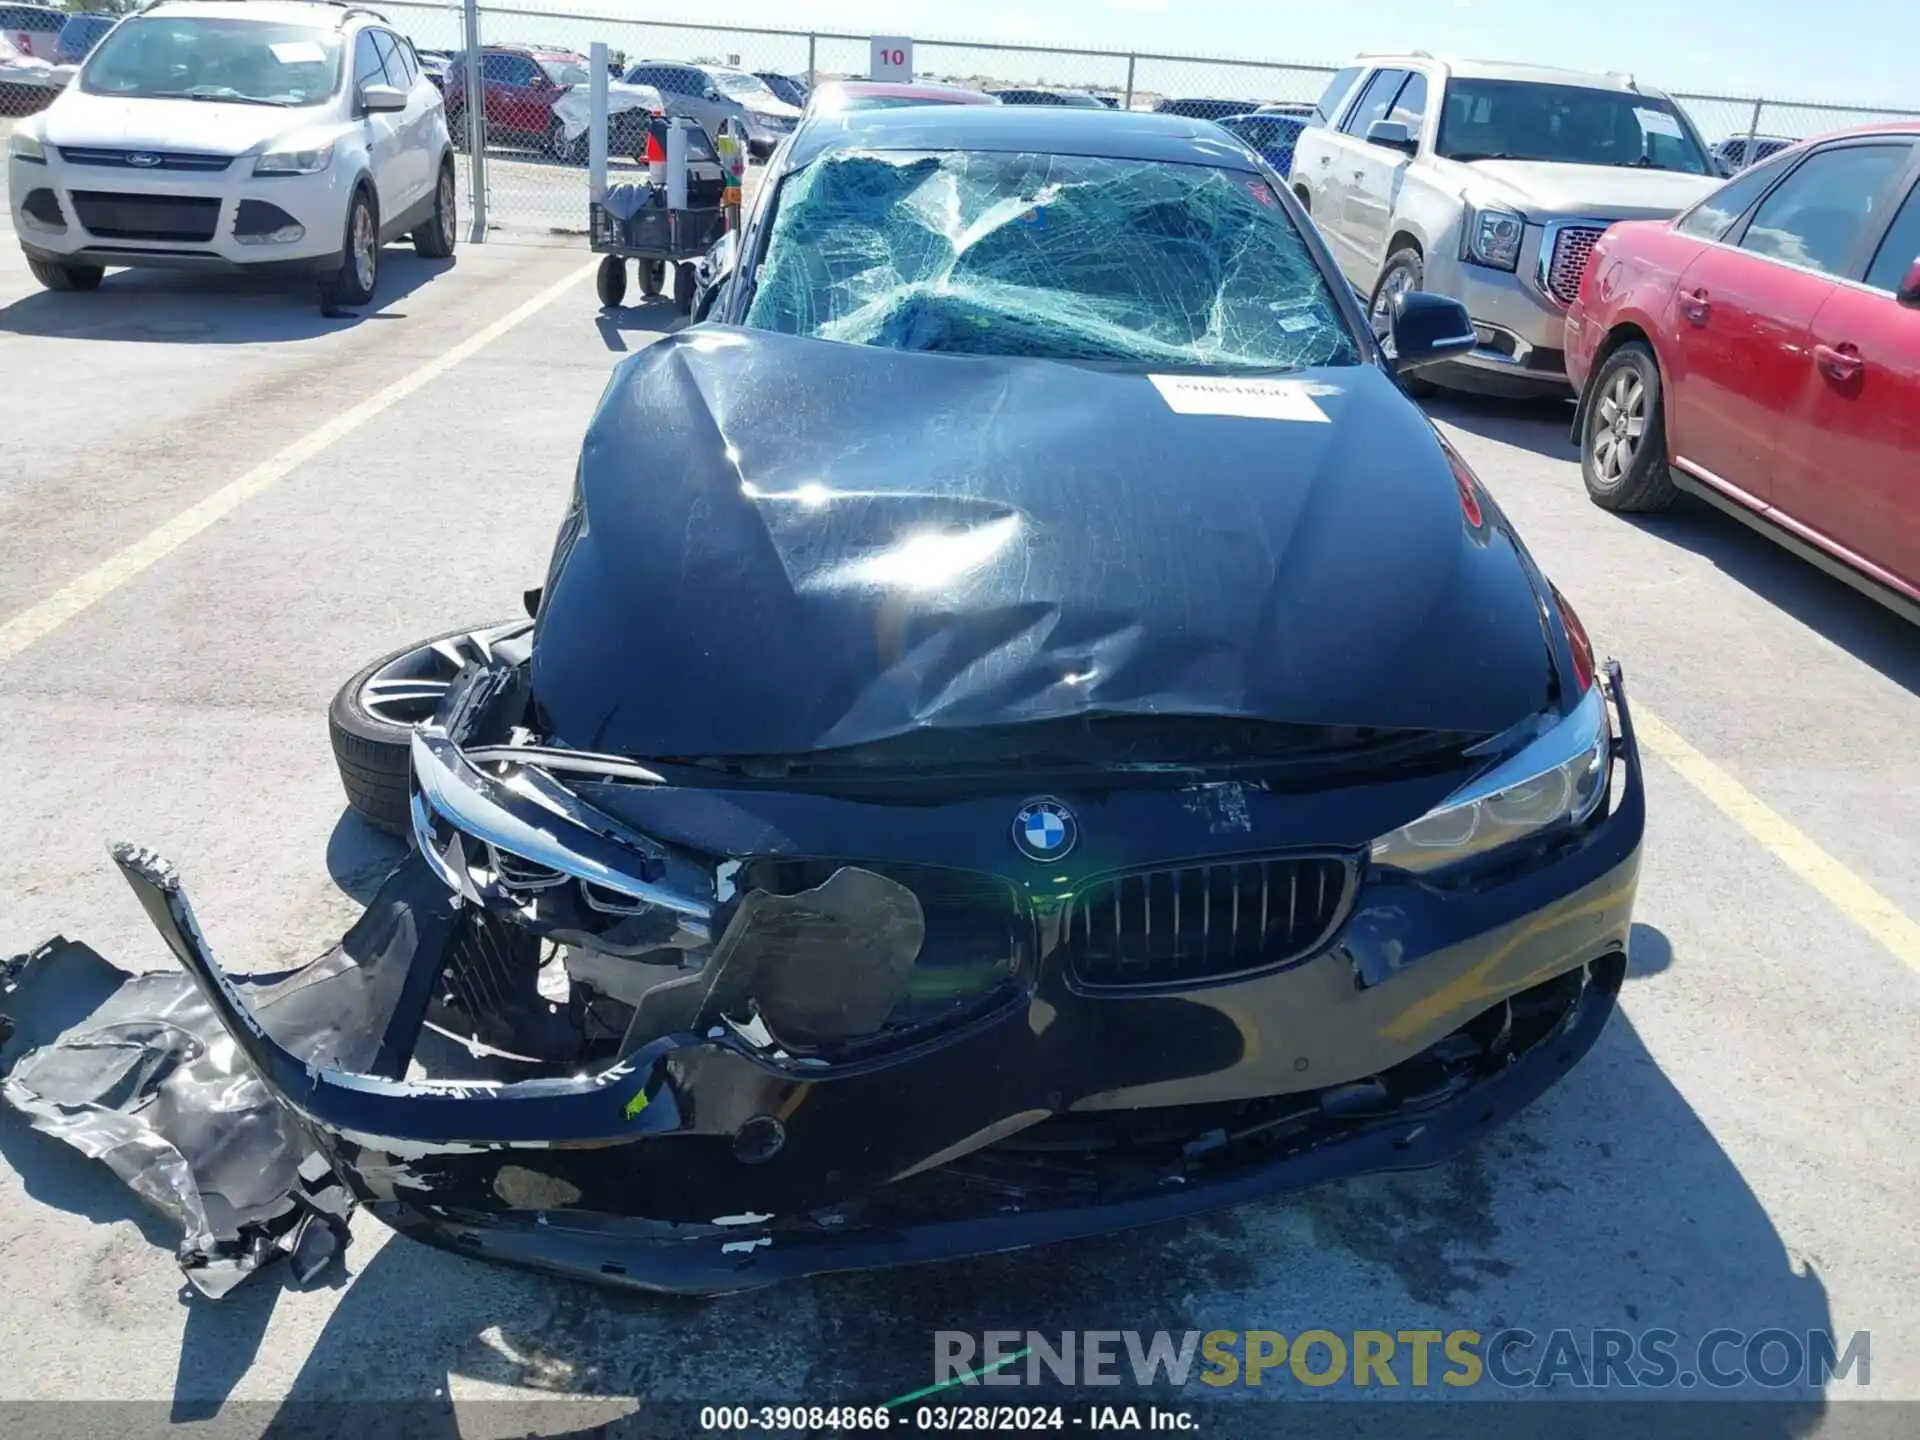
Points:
1203	922
114	216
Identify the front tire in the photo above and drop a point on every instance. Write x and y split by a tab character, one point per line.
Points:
1404	271
372	719
1623	441
66	278
352	285
567	152
435	239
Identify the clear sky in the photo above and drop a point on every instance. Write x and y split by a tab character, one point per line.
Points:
1852	51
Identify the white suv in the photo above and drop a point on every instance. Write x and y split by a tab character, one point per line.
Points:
290	136
1490	183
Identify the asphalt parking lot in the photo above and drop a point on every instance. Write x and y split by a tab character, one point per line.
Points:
215	504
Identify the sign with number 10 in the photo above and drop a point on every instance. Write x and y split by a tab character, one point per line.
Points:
892	58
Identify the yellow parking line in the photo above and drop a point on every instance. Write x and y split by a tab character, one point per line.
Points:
1844	890
39	621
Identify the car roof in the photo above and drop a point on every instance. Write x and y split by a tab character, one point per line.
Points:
1902	129
287	12
1510	70
1045	129
907	90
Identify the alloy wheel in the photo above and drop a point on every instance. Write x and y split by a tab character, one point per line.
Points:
1620	421
408	689
1399	282
364	257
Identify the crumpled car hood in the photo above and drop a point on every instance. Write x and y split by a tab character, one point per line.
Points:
790	544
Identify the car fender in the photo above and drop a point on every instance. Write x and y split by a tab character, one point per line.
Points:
1626	298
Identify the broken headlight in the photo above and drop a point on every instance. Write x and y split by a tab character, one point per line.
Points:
1555	781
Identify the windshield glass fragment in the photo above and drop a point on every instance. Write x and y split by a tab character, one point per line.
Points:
1056	257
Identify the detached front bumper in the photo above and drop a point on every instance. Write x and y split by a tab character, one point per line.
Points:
705	1161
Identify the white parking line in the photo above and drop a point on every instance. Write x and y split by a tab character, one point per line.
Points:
1844	890
37	622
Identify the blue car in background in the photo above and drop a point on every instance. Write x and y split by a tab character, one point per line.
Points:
1271	136
79	35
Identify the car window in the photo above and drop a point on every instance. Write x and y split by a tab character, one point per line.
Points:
368	68
409	62
1410	108
1820	213
1567	125
1141	264
1715	215
1375	101
497	68
390	59
256	62
1900	251
28	17
1336	93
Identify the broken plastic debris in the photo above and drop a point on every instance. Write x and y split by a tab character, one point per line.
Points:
137	1072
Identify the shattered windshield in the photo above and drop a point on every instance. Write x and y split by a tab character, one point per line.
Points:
1055	256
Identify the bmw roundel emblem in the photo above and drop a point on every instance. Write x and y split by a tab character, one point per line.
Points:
1044	829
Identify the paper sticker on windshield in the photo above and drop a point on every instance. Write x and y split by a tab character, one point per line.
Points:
1658	122
298	52
1248	399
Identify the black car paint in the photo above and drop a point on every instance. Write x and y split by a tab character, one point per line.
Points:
700	1163
654	1172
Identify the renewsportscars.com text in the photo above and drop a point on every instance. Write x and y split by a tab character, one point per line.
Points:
1513	1357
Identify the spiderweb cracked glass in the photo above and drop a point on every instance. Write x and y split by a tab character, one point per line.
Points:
1065	257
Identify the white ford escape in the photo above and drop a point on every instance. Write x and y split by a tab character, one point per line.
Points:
292	136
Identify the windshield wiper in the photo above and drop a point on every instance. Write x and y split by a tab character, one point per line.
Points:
222	96
1472	155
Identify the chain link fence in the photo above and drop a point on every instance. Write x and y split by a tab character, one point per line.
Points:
530	193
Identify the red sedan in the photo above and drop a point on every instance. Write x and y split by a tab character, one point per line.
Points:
837	97
1762	351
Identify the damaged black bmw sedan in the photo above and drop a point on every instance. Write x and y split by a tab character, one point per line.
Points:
1027	732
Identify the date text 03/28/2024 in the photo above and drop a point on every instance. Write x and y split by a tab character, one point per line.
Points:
776	1418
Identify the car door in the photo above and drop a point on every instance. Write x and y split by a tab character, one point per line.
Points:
1378	172
523	97
1341	166
382	130
411	160
1849	466
1737	343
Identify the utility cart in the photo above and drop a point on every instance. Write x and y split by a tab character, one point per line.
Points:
670	219
655	237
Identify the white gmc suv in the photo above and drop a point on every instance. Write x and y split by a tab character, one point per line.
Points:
291	136
1490	183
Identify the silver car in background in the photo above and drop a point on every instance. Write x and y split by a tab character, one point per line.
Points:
711	94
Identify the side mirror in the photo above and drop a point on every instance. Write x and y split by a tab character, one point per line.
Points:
712	94
717	264
375	99
1392	135
1428	329
1909	292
